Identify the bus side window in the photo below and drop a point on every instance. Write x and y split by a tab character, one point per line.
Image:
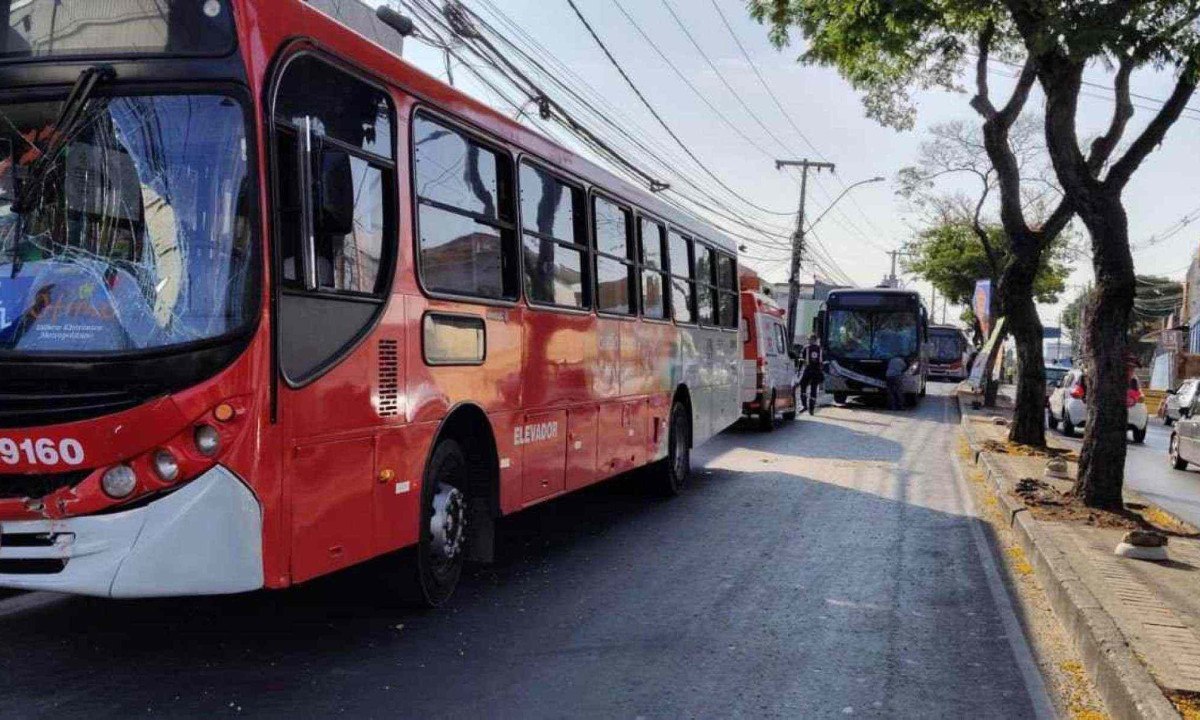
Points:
465	215
613	229
653	268
683	286
727	304
554	240
706	291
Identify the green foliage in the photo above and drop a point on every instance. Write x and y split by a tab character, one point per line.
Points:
888	48
951	258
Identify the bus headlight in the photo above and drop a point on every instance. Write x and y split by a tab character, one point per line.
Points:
208	440
118	482
166	465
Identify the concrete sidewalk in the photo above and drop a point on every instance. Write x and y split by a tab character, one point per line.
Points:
1135	623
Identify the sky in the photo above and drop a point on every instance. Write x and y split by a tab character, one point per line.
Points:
872	219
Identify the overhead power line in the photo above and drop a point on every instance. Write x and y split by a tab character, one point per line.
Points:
430	16
666	127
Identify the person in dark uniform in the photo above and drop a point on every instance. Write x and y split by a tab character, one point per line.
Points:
811	377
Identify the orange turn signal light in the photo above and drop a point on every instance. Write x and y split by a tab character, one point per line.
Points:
223	412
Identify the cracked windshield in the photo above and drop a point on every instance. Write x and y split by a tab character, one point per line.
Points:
130	232
860	335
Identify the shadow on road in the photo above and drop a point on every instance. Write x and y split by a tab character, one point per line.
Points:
753	593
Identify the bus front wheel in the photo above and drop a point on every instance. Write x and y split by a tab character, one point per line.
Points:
436	563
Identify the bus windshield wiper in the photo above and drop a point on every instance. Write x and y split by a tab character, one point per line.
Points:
65	126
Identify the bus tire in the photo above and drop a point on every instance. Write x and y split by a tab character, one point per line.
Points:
435	565
676	468
910	400
766	416
839	398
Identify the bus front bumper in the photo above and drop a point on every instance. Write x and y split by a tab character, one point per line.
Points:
203	539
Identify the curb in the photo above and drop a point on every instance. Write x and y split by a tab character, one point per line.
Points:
1122	681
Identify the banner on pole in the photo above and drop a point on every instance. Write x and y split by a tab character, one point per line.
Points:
977	367
981	305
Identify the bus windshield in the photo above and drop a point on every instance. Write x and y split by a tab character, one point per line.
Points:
133	233
861	334
948	346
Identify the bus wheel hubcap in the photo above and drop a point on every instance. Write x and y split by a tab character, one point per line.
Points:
448	521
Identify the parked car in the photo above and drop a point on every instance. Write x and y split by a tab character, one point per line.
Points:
1054	375
769	378
1179	401
1067	406
1184	446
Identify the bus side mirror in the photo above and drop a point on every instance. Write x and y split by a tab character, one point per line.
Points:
818	323
334	189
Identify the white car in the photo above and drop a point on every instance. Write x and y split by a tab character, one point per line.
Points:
1179	401
1068	407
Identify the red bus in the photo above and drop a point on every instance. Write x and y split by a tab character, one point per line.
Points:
274	302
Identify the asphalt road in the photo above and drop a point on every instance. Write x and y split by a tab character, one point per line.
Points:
1148	471
832	568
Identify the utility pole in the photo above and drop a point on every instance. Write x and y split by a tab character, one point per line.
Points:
798	239
891	280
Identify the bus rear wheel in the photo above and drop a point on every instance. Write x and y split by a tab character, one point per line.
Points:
436	563
675	469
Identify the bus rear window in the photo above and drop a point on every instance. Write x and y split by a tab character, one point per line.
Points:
63	28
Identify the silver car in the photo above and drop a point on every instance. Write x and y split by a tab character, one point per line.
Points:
1179	401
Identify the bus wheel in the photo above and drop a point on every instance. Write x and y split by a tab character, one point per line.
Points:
839	398
766	416
910	400
676	468
438	560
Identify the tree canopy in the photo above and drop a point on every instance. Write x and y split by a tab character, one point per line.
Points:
951	258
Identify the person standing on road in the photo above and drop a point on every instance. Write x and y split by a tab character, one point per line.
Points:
895	374
811	377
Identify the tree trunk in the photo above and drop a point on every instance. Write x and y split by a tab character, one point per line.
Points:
1023	323
1106	328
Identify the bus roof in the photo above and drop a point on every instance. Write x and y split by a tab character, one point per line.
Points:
402	74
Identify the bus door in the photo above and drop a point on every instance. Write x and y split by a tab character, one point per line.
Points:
334	192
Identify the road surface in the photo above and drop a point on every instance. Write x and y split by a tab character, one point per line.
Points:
829	569
1148	471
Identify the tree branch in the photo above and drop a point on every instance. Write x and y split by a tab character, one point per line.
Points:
1103	146
1012	109
981	233
1124	168
981	102
1057	221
